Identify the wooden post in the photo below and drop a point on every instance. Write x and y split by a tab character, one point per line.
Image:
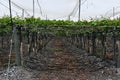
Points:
118	56
114	45
93	43
103	44
88	43
17	47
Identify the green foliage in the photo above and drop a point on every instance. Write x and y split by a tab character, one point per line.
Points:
59	27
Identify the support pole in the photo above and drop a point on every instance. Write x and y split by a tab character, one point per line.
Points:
79	10
33	8
23	11
16	40
113	12
10	14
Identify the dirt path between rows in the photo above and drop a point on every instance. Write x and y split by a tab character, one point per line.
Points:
62	61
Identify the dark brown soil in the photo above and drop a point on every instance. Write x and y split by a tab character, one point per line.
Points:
61	61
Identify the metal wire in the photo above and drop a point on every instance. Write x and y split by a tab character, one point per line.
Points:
15	5
11	41
39	7
76	8
7	7
9	60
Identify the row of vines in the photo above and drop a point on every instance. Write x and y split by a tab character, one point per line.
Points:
30	36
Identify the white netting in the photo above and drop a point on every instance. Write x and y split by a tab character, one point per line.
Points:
60	9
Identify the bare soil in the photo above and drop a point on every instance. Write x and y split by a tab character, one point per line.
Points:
61	61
